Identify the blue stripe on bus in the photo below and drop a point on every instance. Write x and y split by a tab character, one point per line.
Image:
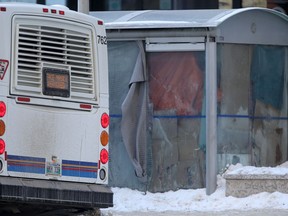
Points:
26	164
218	116
79	169
37	165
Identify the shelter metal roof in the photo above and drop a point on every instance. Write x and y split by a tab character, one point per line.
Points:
172	18
245	25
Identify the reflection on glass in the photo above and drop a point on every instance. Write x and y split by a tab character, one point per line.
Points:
252	112
176	92
176	82
122	59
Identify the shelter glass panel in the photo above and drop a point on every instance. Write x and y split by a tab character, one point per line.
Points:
176	95
122	58
252	108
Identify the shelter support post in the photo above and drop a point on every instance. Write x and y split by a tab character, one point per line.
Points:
211	115
83	6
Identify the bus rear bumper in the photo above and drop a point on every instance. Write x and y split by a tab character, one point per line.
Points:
58	193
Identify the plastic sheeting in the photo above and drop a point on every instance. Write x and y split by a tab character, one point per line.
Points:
134	118
176	85
267	73
252	112
269	105
122	57
158	115
176	82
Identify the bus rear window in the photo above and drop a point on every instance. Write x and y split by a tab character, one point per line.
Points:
56	82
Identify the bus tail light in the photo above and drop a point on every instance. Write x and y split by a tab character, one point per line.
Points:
2	127
104	156
105	120
23	99
104	138
2	146
86	106
2	108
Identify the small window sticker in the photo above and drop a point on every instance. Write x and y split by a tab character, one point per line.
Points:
53	167
3	68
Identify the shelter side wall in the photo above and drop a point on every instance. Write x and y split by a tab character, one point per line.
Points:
252	109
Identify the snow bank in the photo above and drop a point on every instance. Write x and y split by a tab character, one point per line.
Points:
127	200
238	169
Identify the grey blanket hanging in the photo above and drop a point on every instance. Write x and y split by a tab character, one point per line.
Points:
134	118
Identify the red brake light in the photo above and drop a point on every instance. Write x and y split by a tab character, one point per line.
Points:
62	12
86	106
105	119
23	99
104	156
45	10
2	108
2	146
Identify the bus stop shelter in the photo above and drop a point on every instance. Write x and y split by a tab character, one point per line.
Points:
192	91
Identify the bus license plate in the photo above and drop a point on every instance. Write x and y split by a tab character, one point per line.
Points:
53	169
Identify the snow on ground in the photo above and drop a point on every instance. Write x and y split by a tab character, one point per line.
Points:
127	200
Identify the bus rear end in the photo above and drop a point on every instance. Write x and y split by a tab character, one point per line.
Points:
54	116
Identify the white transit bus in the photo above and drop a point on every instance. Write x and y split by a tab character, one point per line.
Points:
54	116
